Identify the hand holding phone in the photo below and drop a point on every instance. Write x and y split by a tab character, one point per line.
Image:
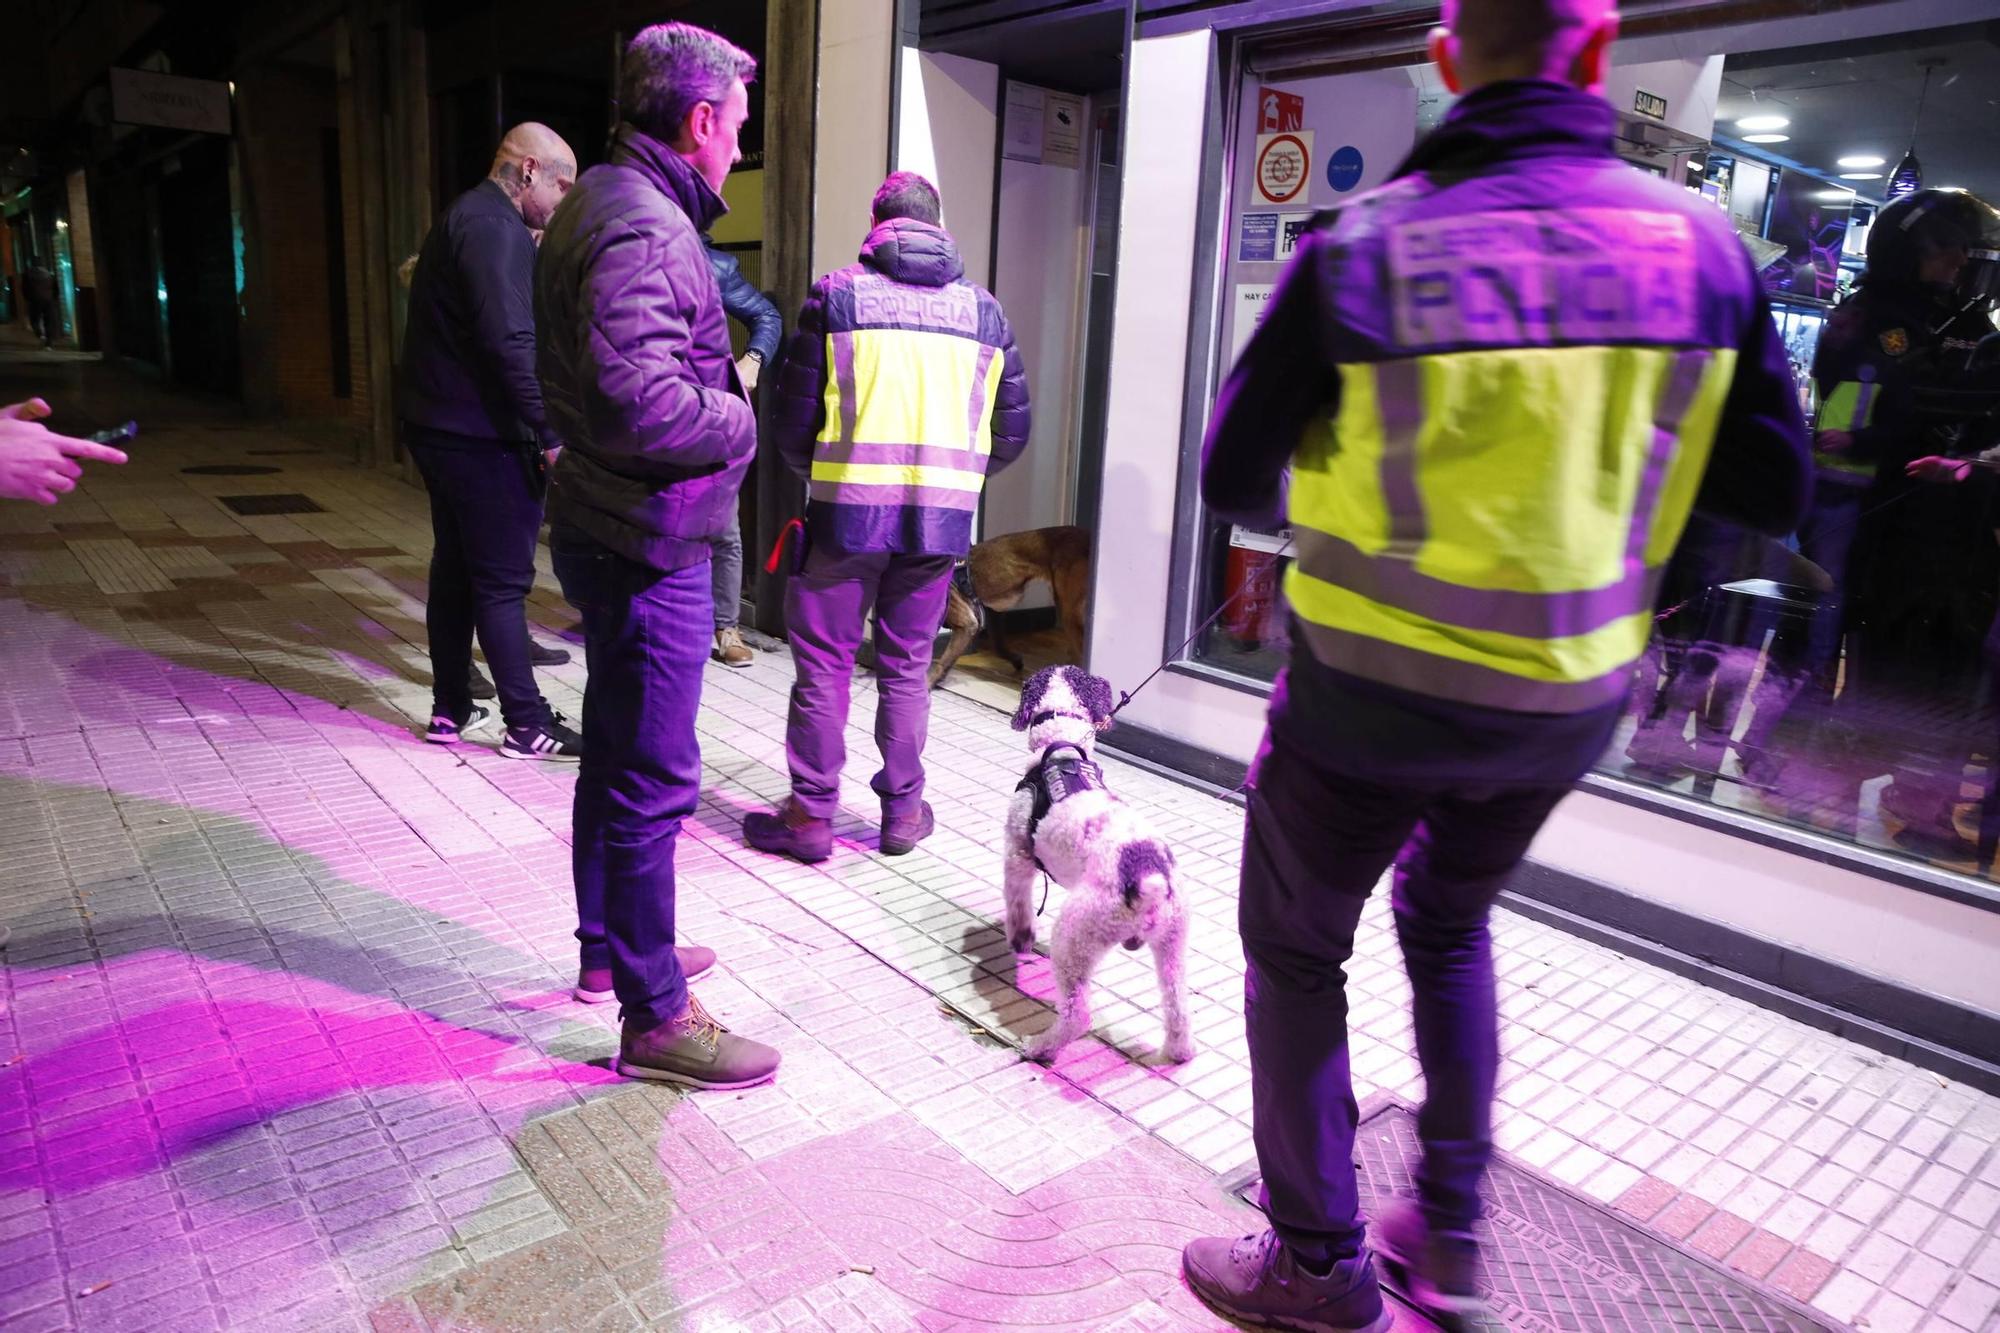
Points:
39	465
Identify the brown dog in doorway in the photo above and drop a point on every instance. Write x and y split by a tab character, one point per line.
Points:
997	573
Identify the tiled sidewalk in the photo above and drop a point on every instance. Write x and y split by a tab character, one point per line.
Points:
287	1042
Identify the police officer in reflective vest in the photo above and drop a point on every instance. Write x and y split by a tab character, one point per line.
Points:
1499	384
901	391
1916	564
1884	342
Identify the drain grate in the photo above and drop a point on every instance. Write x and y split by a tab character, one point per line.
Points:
285	502
1556	1262
230	470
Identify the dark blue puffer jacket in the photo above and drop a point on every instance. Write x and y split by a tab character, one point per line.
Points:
745	304
901	391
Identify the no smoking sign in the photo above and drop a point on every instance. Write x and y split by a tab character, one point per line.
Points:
1284	166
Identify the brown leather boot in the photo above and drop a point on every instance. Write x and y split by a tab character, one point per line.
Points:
790	832
696	1051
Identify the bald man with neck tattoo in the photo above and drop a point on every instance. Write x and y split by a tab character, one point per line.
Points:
474	422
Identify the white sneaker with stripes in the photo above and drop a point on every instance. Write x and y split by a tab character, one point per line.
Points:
444	731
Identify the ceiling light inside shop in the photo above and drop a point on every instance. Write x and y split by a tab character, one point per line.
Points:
1836	196
1763	123
1860	160
1861	175
1766	138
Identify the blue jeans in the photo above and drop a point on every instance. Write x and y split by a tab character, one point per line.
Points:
646	637
1315	844
726	565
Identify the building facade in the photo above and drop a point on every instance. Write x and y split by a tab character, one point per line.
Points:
227	196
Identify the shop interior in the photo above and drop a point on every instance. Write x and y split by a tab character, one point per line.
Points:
1801	132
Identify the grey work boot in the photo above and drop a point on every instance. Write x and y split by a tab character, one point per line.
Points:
1258	1283
902	833
1437	1270
790	831
696	1051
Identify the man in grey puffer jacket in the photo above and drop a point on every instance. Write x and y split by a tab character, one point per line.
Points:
635	365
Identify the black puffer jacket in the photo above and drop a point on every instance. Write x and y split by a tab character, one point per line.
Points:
635	362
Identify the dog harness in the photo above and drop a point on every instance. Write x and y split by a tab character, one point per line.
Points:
1064	771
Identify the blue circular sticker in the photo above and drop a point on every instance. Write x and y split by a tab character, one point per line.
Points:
1343	169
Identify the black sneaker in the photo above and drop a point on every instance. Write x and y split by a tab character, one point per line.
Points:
552	740
444	731
542	655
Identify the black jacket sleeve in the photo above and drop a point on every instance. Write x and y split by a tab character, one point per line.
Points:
1760	473
1283	380
496	262
798	406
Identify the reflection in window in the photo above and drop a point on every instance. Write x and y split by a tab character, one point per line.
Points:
1846	677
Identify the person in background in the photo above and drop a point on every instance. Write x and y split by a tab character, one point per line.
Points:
756	313
475	425
38	465
635	361
38	288
1477	563
925	397
1915	567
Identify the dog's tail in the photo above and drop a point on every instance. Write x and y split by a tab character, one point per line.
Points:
1146	879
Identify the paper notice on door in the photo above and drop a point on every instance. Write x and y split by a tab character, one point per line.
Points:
1246	312
1062	130
1026	122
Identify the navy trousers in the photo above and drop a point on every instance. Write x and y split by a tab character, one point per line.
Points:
486	512
1315	845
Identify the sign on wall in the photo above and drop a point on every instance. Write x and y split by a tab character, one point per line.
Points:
1026	122
1062	130
1284	166
141	97
1279	111
1043	126
1247	311
1258	243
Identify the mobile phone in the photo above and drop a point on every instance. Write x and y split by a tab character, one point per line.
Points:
117	434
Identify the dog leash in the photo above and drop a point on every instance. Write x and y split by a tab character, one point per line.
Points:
797	525
1127	696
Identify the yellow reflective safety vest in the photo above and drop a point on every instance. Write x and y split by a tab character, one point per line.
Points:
1531	363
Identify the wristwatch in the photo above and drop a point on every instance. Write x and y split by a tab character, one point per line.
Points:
754	355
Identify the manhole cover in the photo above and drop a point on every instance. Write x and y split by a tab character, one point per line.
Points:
230	470
261	505
1556	1262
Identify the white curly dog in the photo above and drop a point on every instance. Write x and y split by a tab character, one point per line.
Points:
1119	873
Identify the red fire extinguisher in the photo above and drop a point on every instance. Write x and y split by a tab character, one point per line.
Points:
1251	579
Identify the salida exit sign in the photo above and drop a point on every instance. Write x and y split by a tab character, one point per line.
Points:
1649	104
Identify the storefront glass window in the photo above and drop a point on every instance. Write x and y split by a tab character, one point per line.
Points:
1843	679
